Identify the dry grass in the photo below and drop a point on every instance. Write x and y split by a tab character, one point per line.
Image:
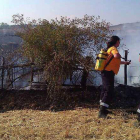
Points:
80	124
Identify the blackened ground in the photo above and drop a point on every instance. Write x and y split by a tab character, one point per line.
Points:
124	97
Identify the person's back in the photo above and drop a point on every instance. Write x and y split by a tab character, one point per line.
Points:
114	64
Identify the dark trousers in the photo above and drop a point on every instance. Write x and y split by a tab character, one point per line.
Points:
108	87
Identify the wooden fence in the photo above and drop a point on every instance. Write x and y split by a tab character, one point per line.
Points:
13	76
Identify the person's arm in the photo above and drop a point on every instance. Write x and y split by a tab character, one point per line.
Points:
126	62
115	53
117	56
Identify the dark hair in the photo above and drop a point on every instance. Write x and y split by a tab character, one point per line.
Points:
113	40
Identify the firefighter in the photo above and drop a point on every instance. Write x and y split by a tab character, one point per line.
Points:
108	75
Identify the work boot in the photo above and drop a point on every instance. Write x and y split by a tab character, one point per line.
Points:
137	123
103	112
138	118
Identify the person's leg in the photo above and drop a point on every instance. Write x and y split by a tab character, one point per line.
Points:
102	94
107	92
108	87
138	113
137	123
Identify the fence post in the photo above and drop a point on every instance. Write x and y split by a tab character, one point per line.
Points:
2	74
125	68
84	78
12	78
85	72
32	74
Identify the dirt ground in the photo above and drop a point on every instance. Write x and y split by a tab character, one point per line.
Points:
28	115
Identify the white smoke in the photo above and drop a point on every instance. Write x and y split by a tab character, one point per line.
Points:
130	34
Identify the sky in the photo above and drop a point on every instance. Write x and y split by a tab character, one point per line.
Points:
113	11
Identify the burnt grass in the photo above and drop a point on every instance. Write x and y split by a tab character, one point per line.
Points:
125	97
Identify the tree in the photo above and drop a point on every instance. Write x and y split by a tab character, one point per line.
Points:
60	46
4	25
